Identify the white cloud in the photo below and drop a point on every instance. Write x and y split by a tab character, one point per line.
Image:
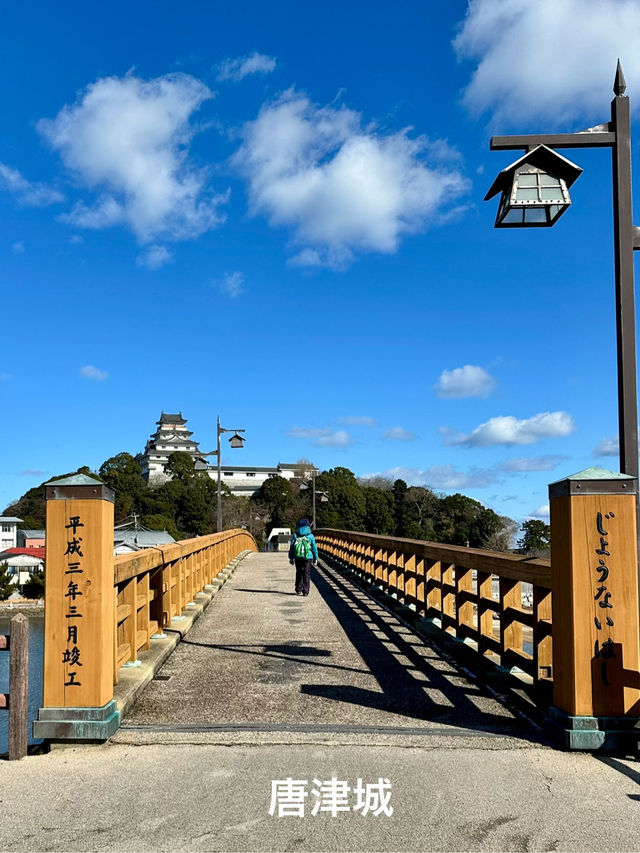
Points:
91	372
507	430
445	477
608	447
322	437
26	192
398	434
543	512
127	139
237	69
154	257
232	285
467	381
340	186
17	248
547	59
357	420
532	463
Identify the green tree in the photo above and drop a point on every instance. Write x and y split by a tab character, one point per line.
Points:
346	506
34	587
7	586
276	494
123	474
400	509
378	511
536	539
461	520
180	466
419	513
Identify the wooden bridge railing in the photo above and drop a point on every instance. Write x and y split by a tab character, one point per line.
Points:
101	611
154	586
475	594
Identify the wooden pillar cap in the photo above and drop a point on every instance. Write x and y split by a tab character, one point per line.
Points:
78	487
594	481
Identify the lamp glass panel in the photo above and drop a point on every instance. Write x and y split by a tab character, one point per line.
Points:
526	194
527	181
549	181
535	215
554	210
515	215
551	194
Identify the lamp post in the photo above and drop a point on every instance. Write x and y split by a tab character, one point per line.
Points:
533	202
324	497
235	441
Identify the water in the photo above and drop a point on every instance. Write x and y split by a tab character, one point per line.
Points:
36	647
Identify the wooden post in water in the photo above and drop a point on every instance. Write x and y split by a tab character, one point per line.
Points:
18	686
594	559
79	626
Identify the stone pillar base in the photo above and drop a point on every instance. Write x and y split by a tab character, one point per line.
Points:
77	724
604	734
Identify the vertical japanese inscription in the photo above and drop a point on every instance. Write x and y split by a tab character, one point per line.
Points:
604	649
71	654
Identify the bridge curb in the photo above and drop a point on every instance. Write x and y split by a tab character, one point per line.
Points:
132	681
509	688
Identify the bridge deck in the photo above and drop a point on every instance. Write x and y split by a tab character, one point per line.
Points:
265	664
290	684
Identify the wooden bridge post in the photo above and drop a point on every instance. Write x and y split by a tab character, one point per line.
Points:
79	627
594	566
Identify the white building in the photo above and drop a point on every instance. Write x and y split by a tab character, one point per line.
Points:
172	435
22	562
8	531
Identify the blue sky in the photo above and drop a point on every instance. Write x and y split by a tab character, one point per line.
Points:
273	212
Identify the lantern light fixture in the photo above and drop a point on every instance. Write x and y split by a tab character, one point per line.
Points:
535	189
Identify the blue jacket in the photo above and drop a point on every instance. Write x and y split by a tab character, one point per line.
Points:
303	531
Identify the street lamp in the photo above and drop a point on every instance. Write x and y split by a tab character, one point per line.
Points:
616	135
235	441
535	189
324	497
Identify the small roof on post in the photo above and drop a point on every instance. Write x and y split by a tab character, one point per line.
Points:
78	487
594	481
541	157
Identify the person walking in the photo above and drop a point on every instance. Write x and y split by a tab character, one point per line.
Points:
303	551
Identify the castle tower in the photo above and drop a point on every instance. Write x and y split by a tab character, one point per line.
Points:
171	436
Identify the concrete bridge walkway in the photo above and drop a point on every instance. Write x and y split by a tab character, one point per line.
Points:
265	665
268	686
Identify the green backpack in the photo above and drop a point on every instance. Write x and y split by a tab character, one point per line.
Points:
302	548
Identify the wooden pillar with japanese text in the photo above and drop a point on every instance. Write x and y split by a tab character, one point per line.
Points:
79	612
594	565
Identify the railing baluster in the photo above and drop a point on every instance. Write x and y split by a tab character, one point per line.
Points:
448	598
486	608
434	589
542	645
465	626
510	628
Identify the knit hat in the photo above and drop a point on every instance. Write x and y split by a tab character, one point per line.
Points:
304	522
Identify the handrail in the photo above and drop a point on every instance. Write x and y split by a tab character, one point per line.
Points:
155	585
455	586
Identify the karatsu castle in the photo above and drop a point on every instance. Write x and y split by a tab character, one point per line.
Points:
172	436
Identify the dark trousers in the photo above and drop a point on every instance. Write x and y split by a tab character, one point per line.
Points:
303	575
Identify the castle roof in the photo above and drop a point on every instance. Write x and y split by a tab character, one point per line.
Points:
171	419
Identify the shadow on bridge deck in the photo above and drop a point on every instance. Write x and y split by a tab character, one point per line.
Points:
263	664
